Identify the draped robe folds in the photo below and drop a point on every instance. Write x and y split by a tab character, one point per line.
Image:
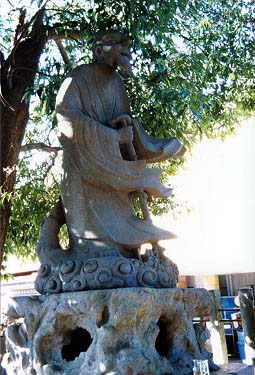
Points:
97	183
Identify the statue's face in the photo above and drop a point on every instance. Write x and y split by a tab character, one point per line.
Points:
114	51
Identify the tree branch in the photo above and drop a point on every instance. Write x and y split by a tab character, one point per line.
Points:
75	35
40	146
195	44
63	53
22	33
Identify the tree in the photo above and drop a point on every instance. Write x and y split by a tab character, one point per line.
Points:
194	76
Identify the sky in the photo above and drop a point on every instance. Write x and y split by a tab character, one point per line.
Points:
218	183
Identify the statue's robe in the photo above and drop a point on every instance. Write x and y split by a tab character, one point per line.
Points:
97	182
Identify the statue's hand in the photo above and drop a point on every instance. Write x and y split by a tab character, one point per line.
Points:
126	134
121	121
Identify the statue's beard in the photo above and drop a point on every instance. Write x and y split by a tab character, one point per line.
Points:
118	61
124	66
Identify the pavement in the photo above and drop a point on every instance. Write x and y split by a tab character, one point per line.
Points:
235	368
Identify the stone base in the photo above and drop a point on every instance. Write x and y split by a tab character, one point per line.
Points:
131	331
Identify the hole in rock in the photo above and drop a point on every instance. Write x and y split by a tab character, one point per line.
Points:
104	318
164	339
80	341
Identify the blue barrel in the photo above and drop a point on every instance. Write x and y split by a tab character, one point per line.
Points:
228	303
240	347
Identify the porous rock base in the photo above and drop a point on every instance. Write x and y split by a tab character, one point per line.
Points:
140	331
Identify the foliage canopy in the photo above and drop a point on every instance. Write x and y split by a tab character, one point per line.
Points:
194	75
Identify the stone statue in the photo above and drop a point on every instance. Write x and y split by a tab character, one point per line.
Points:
96	327
105	151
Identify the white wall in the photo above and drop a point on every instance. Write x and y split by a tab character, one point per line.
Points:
219	184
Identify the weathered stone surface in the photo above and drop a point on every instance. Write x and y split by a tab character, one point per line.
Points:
139	331
106	273
105	156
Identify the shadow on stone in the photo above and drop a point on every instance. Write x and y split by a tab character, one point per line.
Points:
80	341
163	341
104	318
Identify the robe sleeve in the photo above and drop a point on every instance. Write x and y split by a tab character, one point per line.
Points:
155	150
94	148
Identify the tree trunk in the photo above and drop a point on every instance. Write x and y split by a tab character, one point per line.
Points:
18	74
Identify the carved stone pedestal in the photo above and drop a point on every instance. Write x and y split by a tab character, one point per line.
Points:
131	331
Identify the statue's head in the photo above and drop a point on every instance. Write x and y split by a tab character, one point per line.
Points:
112	48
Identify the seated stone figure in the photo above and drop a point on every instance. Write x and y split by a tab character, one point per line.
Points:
105	151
